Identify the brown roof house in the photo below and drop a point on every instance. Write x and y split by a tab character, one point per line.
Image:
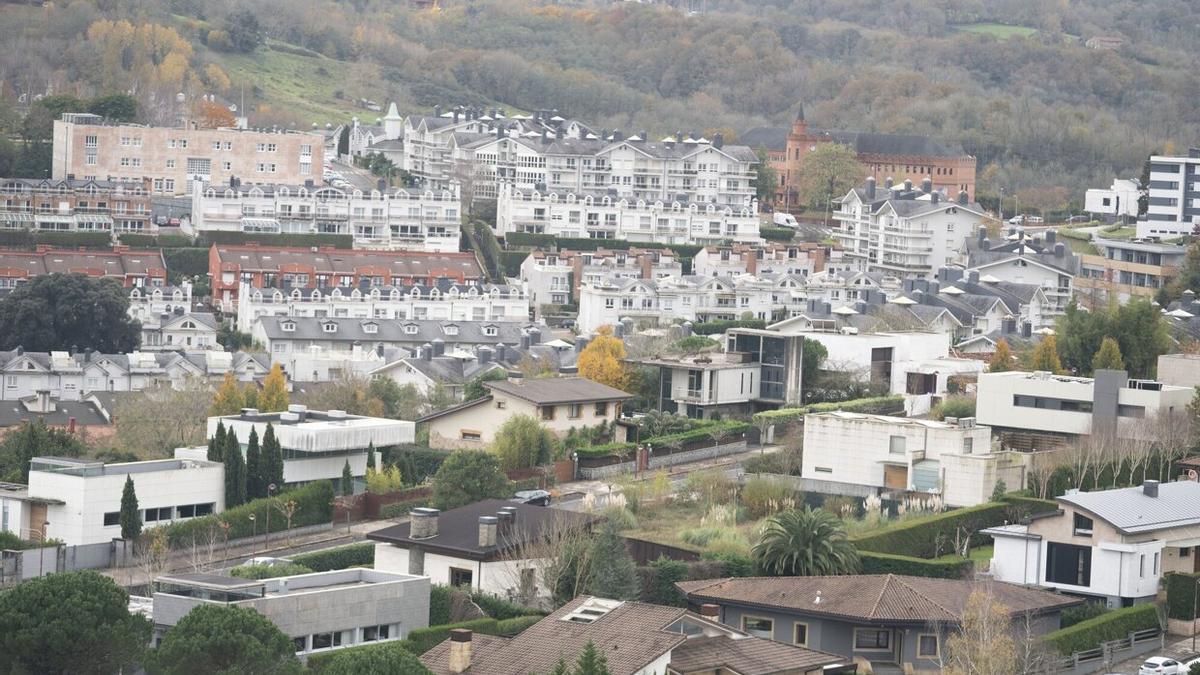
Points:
885	620
559	403
492	545
635	638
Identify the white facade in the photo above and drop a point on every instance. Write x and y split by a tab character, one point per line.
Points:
954	460
454	303
1174	192
185	331
1057	283
83	499
908	235
384	219
315	444
499	577
1121	199
428	146
803	260
604	217
145	303
1060	404
552	277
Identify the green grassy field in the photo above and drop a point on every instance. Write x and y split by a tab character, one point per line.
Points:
298	84
999	30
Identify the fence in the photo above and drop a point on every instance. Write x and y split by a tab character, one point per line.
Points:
645	552
1109	653
664	460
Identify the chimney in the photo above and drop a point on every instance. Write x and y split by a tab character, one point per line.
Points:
935	198
888	182
1008	325
484	355
1150	488
460	651
512	514
1060	250
962	197
718	141
710	611
1026	330
927	185
439	346
973	276
1051	236
487	531
424	523
907	185
869	188
525	342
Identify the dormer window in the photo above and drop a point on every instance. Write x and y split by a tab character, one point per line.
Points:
489	331
188	324
450	330
370	328
288	326
410	330
330	327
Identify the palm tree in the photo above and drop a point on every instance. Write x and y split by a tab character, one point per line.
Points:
805	543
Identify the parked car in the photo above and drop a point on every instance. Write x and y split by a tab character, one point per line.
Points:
1079	219
532	497
1161	665
1016	220
784	220
267	561
1034	219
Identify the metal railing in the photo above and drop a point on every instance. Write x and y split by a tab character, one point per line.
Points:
1108	653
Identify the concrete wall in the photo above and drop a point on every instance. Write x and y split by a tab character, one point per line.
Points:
1181	370
495	577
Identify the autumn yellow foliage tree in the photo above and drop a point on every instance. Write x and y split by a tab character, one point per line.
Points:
213	115
1002	358
139	57
230	398
1045	356
603	360
274	394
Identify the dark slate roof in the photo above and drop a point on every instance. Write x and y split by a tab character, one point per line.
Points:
877	598
551	390
772	138
458	529
86	413
393	330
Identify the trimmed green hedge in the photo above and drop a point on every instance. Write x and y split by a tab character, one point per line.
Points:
933	535
513	626
339	558
876	405
402	509
1111	626
314	505
424	639
500	609
416	462
335	240
715	327
1181	591
784	234
441	604
268	571
186	262
701	432
946	567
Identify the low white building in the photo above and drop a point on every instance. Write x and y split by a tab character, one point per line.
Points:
953	458
148	302
709	385
1064	406
446	301
316	445
1118	201
802	260
554	277
78	501
1112	544
383	218
180	331
479	546
601	216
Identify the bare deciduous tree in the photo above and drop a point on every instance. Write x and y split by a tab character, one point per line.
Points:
155	421
985	643
559	556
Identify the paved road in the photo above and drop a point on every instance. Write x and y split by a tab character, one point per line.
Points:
1179	648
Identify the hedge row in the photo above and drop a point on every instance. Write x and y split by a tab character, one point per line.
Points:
424	639
339	558
500	609
1111	626
1181	592
396	650
784	234
715	327
335	240
876	405
402	509
416	462
729	428
186	262
946	567
314	505
934	535
26	238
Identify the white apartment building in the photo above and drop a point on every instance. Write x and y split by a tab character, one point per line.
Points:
78	501
1061	405
382	218
428	145
180	331
709	385
690	298
147	303
443	302
801	260
554	277
1118	201
953	458
174	159
905	232
1174	192
591	216
316	445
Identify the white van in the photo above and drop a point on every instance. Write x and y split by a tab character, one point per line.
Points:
785	220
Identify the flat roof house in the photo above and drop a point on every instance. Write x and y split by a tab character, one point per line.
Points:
322	611
559	403
489	545
1110	544
635	639
879	620
317	444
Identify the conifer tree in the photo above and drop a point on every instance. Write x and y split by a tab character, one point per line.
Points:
347	480
1045	356
131	516
612	572
235	472
256	486
1002	358
229	399
272	458
216	444
371	457
1108	357
591	661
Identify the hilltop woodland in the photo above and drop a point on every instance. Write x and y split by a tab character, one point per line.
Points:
1010	79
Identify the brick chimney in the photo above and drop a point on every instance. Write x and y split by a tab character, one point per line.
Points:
751	258
710	611
460	650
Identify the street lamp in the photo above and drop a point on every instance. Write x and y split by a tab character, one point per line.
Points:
574	466
254	529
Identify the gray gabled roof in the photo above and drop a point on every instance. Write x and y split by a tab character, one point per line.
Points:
550	390
1132	511
395	330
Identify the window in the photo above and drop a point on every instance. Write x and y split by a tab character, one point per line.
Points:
547	412
758	627
460	577
1142	566
800	634
601	409
896	445
574	411
1185	552
112	518
501	405
301	644
471	435
1083	526
1068	564
928	647
872	640
968	445
373	633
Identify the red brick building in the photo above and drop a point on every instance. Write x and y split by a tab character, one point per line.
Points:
900	156
326	267
132	267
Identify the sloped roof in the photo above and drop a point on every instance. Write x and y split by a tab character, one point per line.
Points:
748	656
551	390
1131	510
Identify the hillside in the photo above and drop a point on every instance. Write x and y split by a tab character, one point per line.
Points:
1011	80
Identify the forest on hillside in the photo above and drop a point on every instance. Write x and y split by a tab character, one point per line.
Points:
1011	80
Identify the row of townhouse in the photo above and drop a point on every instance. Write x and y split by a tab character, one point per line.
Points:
443	301
386	218
607	216
132	268
75	205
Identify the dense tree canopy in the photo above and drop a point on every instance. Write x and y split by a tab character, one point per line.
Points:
522	443
34	439
75	622
225	639
1137	328
68	312
603	361
468	476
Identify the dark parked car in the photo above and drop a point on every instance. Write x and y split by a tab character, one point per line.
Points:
534	497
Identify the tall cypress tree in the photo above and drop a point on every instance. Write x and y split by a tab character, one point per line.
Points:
235	472
347	480
216	444
256	486
272	458
371	456
131	516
